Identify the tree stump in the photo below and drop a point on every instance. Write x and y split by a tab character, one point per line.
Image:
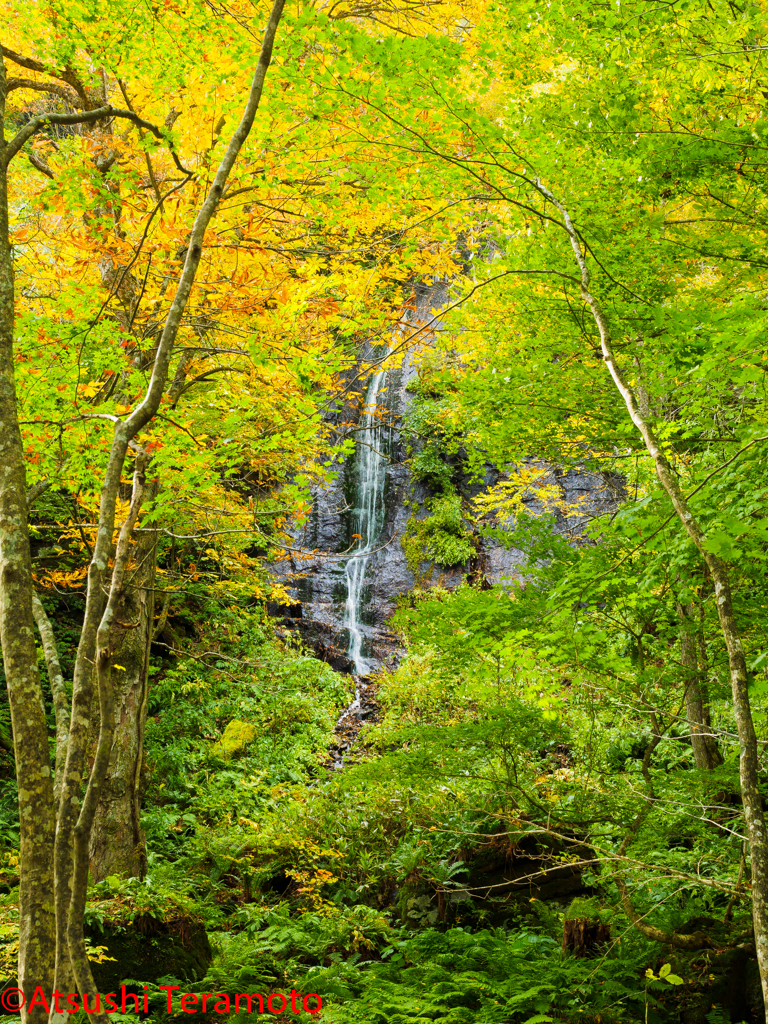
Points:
583	935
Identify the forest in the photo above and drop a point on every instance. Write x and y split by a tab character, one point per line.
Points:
383	589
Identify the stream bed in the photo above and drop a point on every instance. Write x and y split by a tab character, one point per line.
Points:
363	709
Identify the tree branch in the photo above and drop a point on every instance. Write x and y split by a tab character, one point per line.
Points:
70	836
68	74
150	169
695	940
87	117
718	569
68	95
37	489
40	165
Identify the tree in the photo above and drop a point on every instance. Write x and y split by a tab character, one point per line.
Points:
582	163
65	863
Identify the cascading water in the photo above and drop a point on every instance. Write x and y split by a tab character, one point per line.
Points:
368	515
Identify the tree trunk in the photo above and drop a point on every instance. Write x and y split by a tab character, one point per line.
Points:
64	979
583	936
117	842
30	729
705	752
718	571
58	690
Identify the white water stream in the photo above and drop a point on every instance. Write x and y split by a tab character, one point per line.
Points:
368	515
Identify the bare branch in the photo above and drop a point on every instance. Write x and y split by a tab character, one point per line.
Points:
68	95
68	74
87	117
696	940
37	489
41	166
150	169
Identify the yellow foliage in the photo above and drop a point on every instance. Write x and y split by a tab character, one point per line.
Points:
526	484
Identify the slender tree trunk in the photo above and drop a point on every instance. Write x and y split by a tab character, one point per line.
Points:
58	689
30	730
705	752
64	979
117	842
718	571
74	822
104	672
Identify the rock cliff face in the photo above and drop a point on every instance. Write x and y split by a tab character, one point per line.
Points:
321	583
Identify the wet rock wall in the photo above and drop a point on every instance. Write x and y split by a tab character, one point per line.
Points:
318	582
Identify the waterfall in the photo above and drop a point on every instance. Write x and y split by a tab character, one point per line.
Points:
368	515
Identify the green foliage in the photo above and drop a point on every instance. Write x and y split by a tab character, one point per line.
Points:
717	1015
461	977
284	700
441	538
119	901
665	976
313	936
9	815
428	464
587	907
435	441
526	725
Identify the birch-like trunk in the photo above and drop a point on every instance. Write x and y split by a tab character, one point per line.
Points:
117	842
718	571
64	979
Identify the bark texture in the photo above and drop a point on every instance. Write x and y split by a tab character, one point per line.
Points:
36	787
75	822
583	936
117	842
64	979
104	671
58	689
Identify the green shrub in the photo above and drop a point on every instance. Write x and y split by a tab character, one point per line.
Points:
441	538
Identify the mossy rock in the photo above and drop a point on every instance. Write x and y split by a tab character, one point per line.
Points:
236	737
149	950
